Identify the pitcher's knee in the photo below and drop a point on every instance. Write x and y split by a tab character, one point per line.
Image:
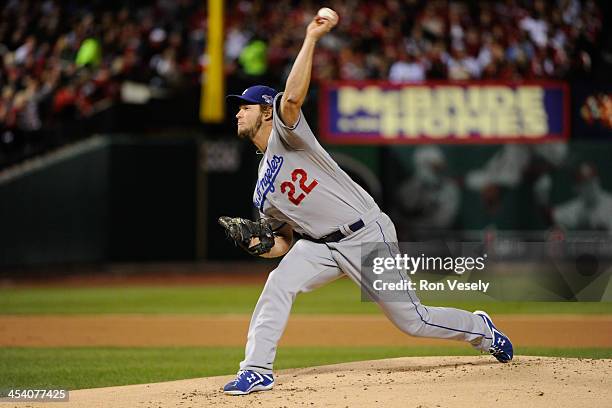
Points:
281	284
276	282
414	327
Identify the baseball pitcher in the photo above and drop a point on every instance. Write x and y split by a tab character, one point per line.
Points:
300	188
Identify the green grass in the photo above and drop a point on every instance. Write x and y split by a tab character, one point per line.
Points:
77	368
339	297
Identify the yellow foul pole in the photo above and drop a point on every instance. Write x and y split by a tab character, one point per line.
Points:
212	102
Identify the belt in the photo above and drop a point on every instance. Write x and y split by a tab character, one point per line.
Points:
347	229
336	235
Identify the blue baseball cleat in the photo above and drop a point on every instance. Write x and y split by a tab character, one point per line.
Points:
501	346
248	381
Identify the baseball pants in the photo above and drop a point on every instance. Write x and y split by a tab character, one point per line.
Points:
309	265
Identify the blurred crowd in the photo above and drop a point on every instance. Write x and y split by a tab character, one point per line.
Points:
546	185
598	108
415	40
64	60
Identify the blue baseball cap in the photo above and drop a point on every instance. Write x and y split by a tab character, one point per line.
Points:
258	95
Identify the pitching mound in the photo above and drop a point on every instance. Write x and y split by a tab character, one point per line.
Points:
401	382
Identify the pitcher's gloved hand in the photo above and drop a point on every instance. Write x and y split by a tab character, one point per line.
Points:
242	232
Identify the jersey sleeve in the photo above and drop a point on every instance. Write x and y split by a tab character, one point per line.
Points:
274	223
298	136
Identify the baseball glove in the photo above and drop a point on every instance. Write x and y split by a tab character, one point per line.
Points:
241	231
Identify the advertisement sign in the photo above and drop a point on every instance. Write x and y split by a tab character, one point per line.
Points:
380	112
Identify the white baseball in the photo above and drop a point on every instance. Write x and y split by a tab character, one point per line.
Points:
328	14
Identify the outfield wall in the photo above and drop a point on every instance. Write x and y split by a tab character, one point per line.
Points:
101	200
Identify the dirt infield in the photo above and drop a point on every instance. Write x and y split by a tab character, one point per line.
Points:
303	330
402	382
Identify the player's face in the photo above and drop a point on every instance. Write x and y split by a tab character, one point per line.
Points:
249	121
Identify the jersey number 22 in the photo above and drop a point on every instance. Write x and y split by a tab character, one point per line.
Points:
289	187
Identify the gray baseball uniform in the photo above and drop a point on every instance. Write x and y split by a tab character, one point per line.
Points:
300	184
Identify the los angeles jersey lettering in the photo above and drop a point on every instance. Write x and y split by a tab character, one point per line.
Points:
300	184
266	183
